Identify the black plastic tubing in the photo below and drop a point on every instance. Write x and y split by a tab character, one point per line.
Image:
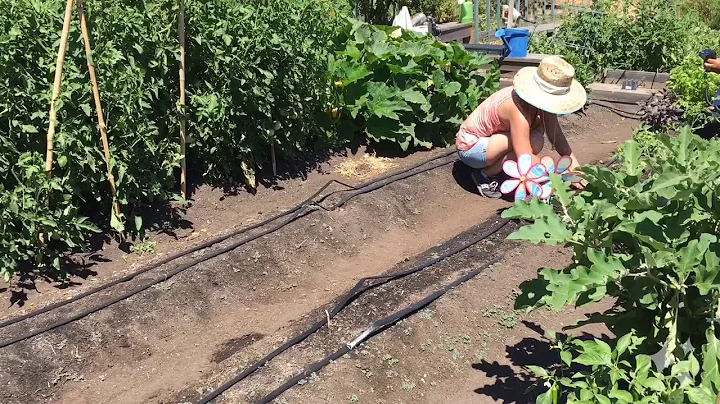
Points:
305	207
362	286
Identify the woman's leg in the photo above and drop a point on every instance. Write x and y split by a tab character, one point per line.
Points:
500	149
476	157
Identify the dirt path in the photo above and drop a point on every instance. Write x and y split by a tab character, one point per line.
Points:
468	347
171	342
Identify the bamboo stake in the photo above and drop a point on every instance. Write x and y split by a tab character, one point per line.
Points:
56	88
272	157
181	39
98	105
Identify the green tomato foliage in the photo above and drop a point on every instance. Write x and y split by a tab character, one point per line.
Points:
258	75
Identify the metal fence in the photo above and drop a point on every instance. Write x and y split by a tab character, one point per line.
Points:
533	13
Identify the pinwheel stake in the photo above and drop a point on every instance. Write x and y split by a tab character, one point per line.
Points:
534	180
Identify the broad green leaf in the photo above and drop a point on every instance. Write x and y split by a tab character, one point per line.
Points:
29	129
545	398
622	344
666	183
451	88
683	144
538	371
594	353
605	266
602	399
350	72
711	356
631	158
414	97
701	395
654	384
550	231
707	277
116	223
566	357
563	289
560	189
86	109
622	395
529	210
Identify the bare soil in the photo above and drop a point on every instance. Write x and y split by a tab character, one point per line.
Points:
184	336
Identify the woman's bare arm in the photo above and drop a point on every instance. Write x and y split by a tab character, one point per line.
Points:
520	134
558	139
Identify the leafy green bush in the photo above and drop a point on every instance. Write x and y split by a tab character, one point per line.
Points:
645	236
620	375
708	10
579	58
652	36
406	88
257	76
442	10
688	81
134	59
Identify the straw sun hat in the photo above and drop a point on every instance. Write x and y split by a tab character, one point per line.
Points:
551	86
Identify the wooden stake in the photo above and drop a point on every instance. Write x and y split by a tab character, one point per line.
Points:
272	157
98	105
181	39
56	88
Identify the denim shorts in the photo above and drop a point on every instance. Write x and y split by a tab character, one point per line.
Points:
476	157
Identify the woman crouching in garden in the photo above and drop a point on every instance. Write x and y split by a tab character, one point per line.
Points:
513	121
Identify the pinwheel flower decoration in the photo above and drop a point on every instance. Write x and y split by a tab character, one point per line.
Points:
525	178
557	167
533	180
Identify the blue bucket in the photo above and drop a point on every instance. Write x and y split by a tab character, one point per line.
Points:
515	40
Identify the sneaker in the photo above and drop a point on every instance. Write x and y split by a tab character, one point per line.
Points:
488	186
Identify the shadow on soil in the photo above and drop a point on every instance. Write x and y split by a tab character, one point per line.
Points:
461	174
511	386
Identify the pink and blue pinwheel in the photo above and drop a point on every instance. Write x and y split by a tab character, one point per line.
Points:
525	178
553	167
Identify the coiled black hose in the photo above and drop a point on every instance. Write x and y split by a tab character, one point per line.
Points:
362	286
300	210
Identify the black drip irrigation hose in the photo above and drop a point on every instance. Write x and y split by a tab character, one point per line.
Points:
618	111
362	286
374	329
300	210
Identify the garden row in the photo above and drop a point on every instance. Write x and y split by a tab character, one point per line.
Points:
643	233
291	76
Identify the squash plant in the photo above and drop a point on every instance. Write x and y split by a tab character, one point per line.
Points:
401	87
647	237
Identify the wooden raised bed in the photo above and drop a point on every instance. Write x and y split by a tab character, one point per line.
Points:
455	32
